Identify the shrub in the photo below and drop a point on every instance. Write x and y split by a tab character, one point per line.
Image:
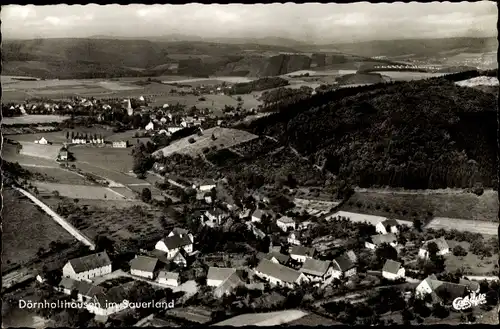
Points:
191	140
458	250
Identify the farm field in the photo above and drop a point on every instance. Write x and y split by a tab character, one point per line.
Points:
117	159
464	225
9	154
225	138
59	175
110	174
471	264
79	191
360	218
214	80
38	230
426	205
408	76
32	119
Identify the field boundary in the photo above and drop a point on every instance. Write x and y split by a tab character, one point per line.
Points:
61	221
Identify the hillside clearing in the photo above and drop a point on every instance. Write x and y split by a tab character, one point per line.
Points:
224	138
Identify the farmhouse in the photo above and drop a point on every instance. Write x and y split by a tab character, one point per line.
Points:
120	144
286	223
217	275
172	244
84	291
109	302
169	278
442	248
42	141
180	258
181	232
276	257
301	253
294	238
343	266
387	226
257	215
63	154
393	270
317	270
143	266
278	274
441	290
228	285
214	217
87	267
377	240
206	185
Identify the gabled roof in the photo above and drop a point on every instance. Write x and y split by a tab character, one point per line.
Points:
90	262
286	220
379	239
442	288
84	288
440	242
230	283
179	231
302	251
278	271
391	266
283	259
315	267
220	273
207	181
168	275
258	213
176	241
143	263
343	263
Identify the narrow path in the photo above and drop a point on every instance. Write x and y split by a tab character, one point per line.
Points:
61	221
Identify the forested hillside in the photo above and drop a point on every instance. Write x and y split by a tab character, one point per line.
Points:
419	134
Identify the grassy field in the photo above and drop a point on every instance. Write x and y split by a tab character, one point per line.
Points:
464	225
108	173
30	119
107	157
59	175
9	154
411	205
25	229
80	191
471	264
60	136
225	138
408	76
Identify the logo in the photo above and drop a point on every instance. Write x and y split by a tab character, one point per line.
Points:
474	299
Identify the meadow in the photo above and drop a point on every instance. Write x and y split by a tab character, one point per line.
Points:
79	191
408	76
38	230
32	119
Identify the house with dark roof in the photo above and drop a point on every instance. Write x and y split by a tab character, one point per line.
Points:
173	243
317	270
214	217
205	185
228	285
276	257
444	291
88	267
181	232
343	266
377	240
278	274
301	253
217	275
387	226
63	154
143	266
393	270
294	238
257	215
84	291
108	302
443	248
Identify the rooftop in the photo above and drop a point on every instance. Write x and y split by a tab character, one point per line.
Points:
391	266
315	267
278	271
90	262
144	263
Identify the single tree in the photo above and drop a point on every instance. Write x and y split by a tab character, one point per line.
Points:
146	195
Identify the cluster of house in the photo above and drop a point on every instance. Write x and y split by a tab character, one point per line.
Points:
86	139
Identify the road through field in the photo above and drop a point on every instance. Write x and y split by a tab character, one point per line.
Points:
61	221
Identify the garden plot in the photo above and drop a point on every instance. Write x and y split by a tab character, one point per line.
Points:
80	191
464	225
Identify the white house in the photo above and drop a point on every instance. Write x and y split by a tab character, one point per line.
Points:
143	266
257	215
317	270
172	244
440	290
294	238
301	253
120	144
377	240
42	141
387	226
213	217
443	248
109	302
393	270
150	126
83	290
286	223
88	267
168	278
173	129
205	185
343	266
277	274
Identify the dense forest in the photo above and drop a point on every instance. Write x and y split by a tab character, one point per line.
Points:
419	134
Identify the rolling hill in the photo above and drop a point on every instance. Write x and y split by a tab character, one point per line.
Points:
418	134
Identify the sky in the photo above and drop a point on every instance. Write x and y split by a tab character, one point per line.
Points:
313	23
